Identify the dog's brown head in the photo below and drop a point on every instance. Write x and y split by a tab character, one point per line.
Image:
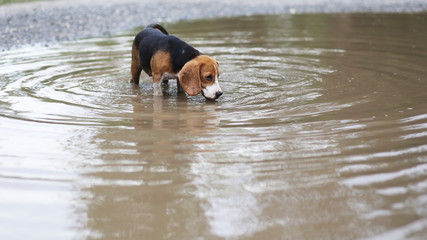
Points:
201	75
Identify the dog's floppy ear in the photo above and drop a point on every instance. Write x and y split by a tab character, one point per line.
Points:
189	77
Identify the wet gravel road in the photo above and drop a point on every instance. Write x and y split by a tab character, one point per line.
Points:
41	23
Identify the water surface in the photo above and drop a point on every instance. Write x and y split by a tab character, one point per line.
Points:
321	134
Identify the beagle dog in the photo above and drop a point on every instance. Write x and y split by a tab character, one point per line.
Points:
165	57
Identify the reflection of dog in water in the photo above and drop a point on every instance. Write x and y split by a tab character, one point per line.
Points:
165	57
172	116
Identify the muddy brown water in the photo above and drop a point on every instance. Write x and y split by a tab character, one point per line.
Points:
321	134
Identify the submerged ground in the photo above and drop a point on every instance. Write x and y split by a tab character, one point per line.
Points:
320	133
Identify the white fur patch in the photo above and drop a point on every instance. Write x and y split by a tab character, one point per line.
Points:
211	90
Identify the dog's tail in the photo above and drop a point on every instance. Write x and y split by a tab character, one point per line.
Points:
158	27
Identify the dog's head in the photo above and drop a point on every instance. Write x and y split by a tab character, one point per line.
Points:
201	75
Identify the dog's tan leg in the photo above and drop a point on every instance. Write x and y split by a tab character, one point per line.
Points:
160	64
157	85
179	87
135	65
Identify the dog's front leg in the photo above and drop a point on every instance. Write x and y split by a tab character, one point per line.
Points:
157	89
180	89
157	85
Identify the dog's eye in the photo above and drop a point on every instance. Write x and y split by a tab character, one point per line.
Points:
209	78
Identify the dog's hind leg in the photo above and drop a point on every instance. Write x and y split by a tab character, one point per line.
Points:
135	65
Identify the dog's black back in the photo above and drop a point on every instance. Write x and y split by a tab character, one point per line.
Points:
155	38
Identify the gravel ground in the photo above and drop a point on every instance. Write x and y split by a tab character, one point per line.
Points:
46	22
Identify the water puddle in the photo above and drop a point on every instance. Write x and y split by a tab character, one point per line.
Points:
321	133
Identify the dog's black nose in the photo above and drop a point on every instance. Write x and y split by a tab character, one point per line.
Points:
218	94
